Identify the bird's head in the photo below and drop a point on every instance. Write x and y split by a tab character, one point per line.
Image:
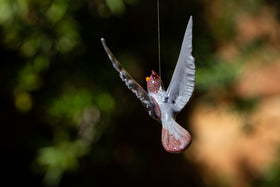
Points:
153	82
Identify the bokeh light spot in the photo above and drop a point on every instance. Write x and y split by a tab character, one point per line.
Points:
23	101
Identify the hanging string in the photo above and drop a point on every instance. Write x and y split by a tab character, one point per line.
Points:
158	30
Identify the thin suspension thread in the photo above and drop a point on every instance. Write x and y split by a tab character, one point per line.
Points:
158	29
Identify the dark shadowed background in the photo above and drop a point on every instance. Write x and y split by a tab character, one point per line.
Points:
68	120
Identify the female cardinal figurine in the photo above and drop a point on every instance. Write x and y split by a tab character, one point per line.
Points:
161	104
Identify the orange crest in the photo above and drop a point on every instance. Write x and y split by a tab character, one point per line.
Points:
147	79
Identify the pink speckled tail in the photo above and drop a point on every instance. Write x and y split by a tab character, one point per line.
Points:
177	141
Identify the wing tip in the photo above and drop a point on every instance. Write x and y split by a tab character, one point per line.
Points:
190	24
103	42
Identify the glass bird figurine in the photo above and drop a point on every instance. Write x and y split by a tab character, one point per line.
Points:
164	105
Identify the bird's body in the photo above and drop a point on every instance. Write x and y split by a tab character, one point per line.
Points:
174	137
163	105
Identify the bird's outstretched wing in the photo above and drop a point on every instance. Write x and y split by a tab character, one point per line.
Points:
183	80
140	93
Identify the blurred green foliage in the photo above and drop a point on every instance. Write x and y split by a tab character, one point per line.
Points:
270	178
60	83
